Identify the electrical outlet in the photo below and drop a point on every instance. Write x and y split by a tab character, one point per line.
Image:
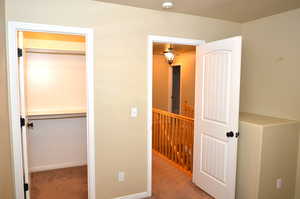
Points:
121	176
279	183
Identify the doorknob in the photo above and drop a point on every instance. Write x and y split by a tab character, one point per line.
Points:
230	134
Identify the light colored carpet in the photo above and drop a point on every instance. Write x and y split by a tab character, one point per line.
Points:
68	183
169	182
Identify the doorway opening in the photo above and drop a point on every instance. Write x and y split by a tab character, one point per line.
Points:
54	109
199	137
176	88
173	95
51	87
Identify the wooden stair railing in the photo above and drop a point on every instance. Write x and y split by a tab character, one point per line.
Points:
173	137
187	110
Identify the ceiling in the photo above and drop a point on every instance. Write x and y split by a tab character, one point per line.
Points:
159	48
232	10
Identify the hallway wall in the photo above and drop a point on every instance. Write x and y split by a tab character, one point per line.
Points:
160	84
161	79
187	61
6	188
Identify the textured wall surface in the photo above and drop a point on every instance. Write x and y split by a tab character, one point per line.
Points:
187	61
5	163
120	75
162	79
160	93
270	70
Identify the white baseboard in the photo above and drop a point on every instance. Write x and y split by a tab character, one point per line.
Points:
135	196
57	166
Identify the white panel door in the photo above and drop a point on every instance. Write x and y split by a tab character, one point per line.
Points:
217	116
23	114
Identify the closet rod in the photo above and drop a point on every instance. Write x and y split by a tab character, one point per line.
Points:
54	118
57	52
55	115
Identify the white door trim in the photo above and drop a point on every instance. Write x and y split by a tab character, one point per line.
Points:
159	39
14	100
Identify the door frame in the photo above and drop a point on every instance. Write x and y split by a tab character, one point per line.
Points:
14	100
159	39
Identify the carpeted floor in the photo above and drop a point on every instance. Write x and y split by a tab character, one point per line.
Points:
168	182
68	183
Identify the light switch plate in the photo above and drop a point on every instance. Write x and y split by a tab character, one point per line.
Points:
279	183
134	112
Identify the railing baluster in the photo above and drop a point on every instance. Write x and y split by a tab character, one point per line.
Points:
176	140
169	137
159	133
163	134
155	129
173	137
180	135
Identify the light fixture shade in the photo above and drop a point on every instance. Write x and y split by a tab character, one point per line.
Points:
169	55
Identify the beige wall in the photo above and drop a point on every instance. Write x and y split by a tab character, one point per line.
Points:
270	52
5	166
187	61
270	70
160	82
161	79
120	75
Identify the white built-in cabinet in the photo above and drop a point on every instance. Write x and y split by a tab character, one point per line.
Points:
267	154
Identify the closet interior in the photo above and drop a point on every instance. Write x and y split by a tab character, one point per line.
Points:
56	93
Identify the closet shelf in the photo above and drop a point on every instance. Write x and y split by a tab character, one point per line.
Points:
56	114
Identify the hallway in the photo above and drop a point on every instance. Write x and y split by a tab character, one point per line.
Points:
169	182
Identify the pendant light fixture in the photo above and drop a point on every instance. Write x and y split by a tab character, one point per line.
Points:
167	4
169	55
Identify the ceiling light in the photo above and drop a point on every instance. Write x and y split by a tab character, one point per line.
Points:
167	5
169	54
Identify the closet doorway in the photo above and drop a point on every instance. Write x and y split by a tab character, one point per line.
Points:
51	86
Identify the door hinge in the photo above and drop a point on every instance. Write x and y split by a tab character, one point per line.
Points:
20	52
22	121
26	187
237	134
